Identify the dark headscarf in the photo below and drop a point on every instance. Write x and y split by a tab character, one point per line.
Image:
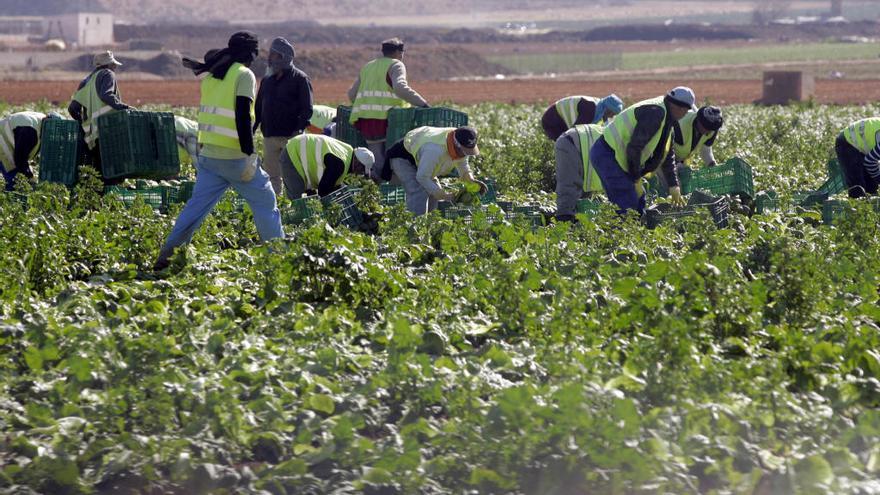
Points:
242	48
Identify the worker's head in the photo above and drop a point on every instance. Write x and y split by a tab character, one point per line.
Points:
610	106
362	161
465	139
281	55
679	101
709	119
106	60
244	47
393	48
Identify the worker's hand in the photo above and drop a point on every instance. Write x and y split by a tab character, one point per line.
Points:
640	189
250	167
675	197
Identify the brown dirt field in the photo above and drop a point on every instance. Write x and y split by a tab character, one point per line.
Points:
185	93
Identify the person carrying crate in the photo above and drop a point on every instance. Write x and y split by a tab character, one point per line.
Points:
97	95
227	157
323	121
575	176
381	86
637	142
19	143
315	162
858	151
430	152
578	110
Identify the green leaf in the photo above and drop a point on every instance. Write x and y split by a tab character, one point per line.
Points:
321	403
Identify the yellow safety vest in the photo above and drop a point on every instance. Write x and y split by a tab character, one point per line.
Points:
420	136
322	116
33	120
619	132
684	151
307	153
587	135
93	106
567	108
187	132
217	109
862	135
374	96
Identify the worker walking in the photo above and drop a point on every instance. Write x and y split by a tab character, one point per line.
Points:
637	142
187	132
323	121
318	163
575	176
696	132
381	86
97	95
858	151
227	157
283	107
19	143
430	152
578	110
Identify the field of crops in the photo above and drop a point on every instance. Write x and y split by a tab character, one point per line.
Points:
443	357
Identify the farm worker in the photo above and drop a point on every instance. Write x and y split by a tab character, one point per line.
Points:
575	176
858	151
381	86
315	162
97	94
430	152
695	132
636	143
19	143
187	132
578	110
323	121
284	106
227	157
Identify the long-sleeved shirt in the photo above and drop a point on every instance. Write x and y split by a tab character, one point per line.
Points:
26	140
333	170
284	104
651	118
108	92
396	78
432	161
705	151
872	162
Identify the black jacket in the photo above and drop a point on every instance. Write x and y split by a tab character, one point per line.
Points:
284	104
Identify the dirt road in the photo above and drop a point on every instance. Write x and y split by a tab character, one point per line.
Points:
185	93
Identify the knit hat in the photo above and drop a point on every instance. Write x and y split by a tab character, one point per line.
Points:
710	118
611	102
284	48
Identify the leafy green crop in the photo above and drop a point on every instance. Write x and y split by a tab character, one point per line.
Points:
440	357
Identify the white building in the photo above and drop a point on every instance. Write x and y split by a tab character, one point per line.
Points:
80	23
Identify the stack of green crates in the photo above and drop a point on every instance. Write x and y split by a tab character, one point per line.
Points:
403	120
769	201
61	151
300	210
179	193
138	144
835	209
392	195
153	196
351	216
733	177
345	131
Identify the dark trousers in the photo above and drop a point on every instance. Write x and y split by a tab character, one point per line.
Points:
852	161
619	186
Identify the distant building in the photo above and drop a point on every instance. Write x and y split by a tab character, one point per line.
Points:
80	23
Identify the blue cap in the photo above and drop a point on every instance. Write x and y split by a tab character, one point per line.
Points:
612	102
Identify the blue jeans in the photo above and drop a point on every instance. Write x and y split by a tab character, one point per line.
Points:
619	187
214	177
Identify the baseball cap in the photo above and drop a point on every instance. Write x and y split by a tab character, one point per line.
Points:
106	58
684	97
392	44
710	118
466	139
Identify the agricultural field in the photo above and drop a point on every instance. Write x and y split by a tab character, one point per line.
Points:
445	357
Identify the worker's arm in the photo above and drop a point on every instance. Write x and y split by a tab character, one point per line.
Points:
333	170
353	90
26	140
706	152
245	94
397	75
586	112
429	156
75	110
872	162
669	170
105	84
464	170
258	108
650	118
305	102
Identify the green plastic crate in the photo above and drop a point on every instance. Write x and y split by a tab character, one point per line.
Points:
733	177
138	144
835	209
180	193
392	195
836	182
403	120
589	207
718	208
491	195
345	131
61	151
529	214
769	201
301	210
153	196
350	216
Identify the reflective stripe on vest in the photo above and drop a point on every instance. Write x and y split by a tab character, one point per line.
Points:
33	120
94	107
419	137
374	96
217	109
322	116
684	151
619	132
567	108
862	135
587	135
307	153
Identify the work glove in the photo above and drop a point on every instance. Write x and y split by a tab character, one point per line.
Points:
675	197
250	167
640	188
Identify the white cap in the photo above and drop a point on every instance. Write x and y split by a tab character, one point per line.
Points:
685	96
365	156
